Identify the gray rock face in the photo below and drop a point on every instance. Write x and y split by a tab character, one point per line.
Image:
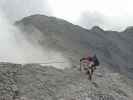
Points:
36	82
8	80
113	48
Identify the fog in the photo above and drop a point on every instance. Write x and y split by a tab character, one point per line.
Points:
116	23
110	15
86	13
15	47
17	9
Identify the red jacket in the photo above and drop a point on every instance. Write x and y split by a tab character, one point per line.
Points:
87	59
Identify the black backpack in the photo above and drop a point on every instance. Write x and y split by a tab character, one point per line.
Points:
96	61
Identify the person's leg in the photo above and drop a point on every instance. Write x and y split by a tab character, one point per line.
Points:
90	76
94	66
88	72
92	70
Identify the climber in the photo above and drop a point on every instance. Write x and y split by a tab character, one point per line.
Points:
89	65
87	60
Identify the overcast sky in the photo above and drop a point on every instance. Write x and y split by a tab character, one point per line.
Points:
108	14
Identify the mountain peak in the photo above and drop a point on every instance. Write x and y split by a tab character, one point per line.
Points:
129	29
97	29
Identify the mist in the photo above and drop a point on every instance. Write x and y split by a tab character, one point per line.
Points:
108	15
17	9
89	19
16	48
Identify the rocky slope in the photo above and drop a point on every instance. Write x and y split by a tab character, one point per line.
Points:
36	82
114	49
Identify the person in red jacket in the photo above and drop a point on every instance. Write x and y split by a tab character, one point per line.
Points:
88	64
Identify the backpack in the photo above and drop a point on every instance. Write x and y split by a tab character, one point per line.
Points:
96	61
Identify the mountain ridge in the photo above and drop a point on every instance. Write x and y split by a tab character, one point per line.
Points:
43	80
54	18
112	47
